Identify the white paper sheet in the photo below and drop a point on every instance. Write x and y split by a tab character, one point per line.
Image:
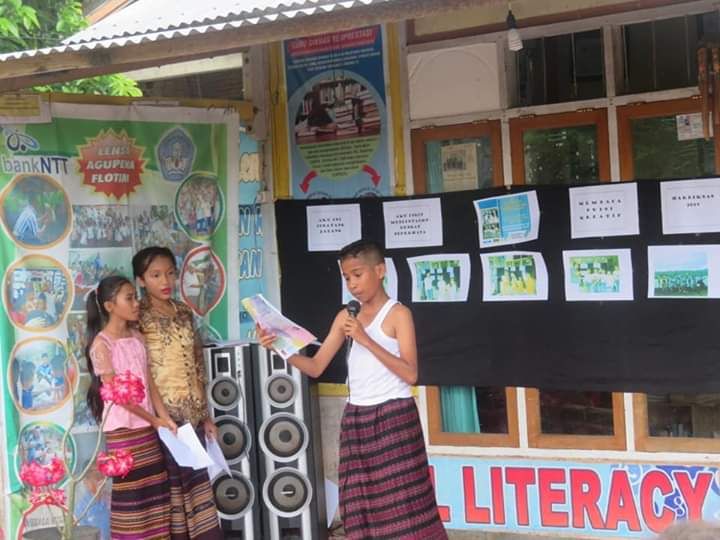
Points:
185	447
332	500
413	223
687	271
690	206
219	463
598	274
690	126
390	282
440	278
332	226
508	219
511	276
598	211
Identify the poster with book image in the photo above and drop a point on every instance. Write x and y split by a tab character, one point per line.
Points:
687	271
599	274
508	219
514	275
337	113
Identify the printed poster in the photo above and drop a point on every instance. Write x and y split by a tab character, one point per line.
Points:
440	278
690	126
250	232
459	166
508	219
79	195
514	275
333	226
690	206
687	271
607	210
390	282
413	223
337	112
599	274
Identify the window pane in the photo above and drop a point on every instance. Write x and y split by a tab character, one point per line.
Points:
561	156
671	54
457	164
576	413
467	409
684	415
657	152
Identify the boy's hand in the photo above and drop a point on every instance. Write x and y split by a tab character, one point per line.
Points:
211	430
265	338
355	330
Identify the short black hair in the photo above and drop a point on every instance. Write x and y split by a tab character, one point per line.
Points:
364	247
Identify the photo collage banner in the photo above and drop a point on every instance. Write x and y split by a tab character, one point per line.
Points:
79	195
561	287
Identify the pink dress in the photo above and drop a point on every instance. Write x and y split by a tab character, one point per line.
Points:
117	356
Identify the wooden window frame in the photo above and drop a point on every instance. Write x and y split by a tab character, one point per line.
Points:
635	111
418	137
598	117
644	442
437	436
538	439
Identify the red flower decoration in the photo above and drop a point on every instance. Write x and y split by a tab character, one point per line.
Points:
123	389
118	463
38	475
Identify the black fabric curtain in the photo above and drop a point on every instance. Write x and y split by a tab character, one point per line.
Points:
645	345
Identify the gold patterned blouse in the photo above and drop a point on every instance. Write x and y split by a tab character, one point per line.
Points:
176	361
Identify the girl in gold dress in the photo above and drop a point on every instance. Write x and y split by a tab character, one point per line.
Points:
175	359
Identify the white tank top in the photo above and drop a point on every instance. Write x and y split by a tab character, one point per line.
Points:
370	382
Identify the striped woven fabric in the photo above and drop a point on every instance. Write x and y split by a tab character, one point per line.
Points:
385	487
193	515
140	507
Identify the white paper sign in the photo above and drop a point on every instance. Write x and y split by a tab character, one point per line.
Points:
598	274
610	210
390	283
689	126
687	271
690	206
510	276
440	278
333	226
413	223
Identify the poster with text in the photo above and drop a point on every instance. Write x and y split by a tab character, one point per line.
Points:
413	223
79	195
333	226
598	274
508	219
690	206
337	115
608	210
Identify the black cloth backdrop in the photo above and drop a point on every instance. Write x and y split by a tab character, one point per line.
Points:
645	345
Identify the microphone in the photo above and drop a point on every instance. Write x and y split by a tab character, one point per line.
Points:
353	308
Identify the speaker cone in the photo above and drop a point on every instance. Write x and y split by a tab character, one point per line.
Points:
283	436
234	495
281	390
233	437
287	492
224	393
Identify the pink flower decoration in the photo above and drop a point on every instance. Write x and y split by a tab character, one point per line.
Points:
47	496
124	389
118	463
38	475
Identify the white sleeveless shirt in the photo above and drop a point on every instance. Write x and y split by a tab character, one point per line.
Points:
370	382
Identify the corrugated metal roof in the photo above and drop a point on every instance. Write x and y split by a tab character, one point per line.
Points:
155	20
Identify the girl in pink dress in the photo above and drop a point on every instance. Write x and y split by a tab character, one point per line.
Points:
140	504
